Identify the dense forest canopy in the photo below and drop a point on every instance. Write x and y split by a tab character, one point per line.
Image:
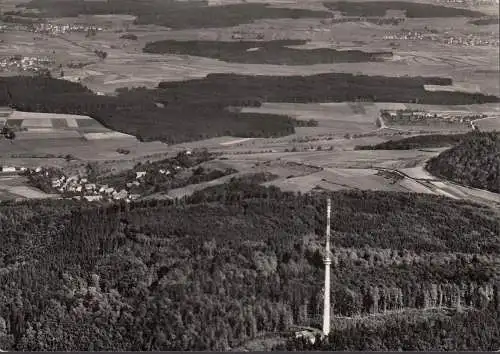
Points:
198	109
151	275
486	21
263	52
418	142
411	9
171	13
474	162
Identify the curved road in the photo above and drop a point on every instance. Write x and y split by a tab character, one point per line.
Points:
449	188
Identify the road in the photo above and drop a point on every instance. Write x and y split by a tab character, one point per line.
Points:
449	188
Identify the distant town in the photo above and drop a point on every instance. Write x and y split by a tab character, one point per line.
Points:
470	40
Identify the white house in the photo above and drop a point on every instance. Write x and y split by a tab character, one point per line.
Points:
8	169
92	198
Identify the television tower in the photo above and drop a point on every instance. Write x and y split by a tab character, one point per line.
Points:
328	261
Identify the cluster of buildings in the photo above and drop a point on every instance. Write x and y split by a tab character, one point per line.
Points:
55	29
417	115
11	169
247	35
470	40
23	63
410	35
81	188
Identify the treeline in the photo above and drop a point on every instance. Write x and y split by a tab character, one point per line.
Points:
171	13
258	52
331	87
417	142
485	21
246	259
474	162
412	9
198	109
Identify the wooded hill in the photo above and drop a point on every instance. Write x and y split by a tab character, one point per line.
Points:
246	260
417	142
474	162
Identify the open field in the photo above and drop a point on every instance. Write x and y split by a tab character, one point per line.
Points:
353	118
401	171
45	136
488	124
78	148
14	187
332	118
346	159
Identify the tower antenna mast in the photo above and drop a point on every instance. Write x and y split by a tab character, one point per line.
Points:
328	261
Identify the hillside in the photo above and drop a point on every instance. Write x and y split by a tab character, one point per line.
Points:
247	260
474	162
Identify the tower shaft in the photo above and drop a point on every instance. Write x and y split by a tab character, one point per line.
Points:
328	261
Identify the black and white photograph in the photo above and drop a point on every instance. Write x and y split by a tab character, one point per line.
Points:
249	175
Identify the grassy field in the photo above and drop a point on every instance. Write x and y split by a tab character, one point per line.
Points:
15	188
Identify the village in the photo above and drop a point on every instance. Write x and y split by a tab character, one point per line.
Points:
54	181
127	186
470	40
57	29
25	63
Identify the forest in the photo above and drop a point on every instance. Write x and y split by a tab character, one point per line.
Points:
150	275
263	52
474	162
412	9
199	109
418	142
171	13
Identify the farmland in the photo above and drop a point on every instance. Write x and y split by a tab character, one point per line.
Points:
322	156
340	126
177	135
272	52
476	66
